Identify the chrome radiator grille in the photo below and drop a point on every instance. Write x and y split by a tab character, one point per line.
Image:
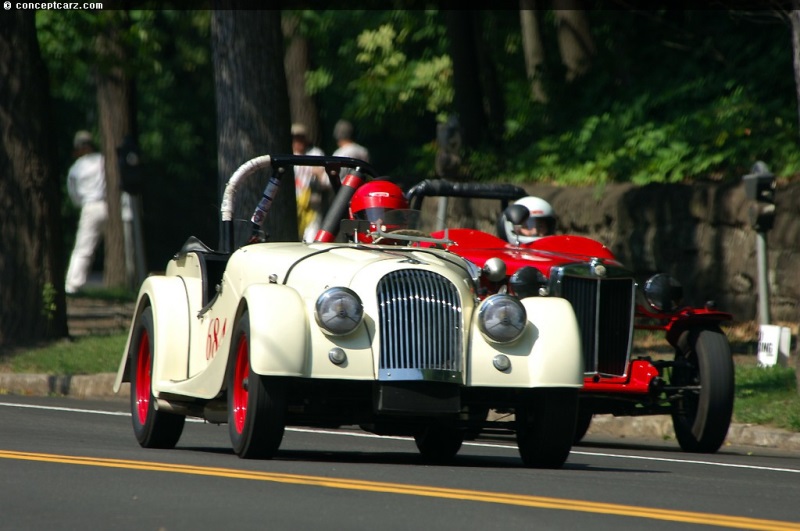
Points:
420	323
604	308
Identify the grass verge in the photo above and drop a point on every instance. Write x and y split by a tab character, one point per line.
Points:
85	355
767	396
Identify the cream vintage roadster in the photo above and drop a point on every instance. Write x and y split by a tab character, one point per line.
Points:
392	339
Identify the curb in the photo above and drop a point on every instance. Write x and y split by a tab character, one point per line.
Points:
96	386
658	427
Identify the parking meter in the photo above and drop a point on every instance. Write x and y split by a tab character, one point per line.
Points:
759	186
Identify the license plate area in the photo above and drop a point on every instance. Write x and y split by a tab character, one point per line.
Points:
417	398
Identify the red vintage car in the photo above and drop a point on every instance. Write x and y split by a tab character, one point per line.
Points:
695	385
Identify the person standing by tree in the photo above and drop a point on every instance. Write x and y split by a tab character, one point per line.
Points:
343	134
311	184
86	185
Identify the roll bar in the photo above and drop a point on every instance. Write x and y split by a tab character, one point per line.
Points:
279	163
445	188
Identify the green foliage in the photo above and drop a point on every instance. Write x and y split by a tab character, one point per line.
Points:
672	95
386	71
49	301
663	139
482	165
391	83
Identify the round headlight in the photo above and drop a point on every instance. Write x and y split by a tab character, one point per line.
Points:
502	318
663	292
527	281
338	311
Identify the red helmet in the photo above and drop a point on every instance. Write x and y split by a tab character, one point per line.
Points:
371	201
374	199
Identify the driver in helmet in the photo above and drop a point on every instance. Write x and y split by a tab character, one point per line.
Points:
372	202
542	221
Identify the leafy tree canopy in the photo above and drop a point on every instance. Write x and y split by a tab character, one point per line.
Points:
672	95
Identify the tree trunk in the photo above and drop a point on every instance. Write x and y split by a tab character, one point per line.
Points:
575	41
493	101
301	103
114	104
252	111
32	302
532	49
794	19
468	97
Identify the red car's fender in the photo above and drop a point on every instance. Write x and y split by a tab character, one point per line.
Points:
675	324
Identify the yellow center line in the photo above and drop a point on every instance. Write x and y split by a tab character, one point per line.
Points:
421	490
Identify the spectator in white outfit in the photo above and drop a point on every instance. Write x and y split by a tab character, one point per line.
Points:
86	184
343	134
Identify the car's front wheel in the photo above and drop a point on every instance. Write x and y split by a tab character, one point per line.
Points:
256	403
545	423
704	369
153	428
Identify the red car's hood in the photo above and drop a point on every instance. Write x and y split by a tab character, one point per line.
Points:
478	246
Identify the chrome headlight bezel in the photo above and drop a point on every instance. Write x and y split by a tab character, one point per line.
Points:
473	270
502	318
663	292
338	311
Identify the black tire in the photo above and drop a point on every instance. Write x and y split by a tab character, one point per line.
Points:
582	424
152	428
439	444
546	421
256	403
702	418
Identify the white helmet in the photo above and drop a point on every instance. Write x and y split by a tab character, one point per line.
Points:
543	218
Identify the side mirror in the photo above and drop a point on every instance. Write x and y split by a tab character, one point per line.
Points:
517	214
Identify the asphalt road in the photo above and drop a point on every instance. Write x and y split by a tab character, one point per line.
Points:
74	464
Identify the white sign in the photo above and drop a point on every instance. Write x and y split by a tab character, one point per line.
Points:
773	345
785	347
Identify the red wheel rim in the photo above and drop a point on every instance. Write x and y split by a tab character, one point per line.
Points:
143	364
240	393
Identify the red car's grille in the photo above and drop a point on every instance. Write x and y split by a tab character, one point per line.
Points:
604	308
420	324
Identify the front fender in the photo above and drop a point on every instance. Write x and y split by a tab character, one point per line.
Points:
699	319
547	355
167	297
278	330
